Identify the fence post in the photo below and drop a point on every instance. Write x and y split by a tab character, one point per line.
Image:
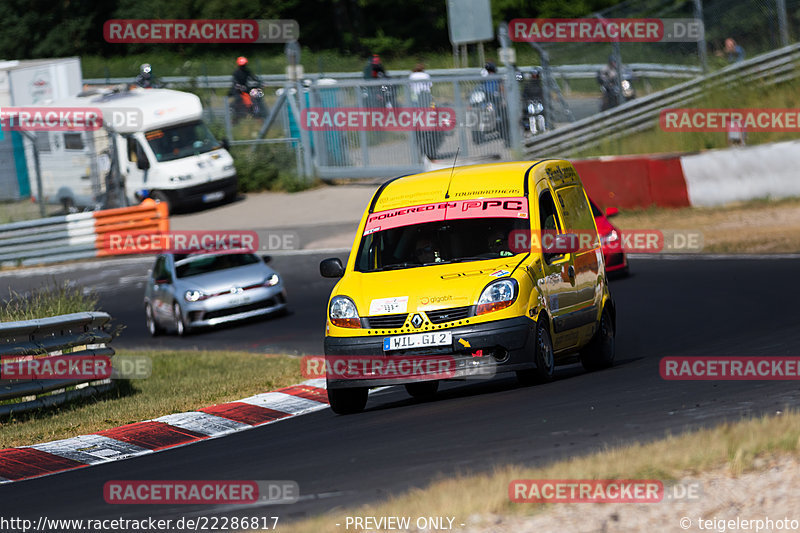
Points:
702	47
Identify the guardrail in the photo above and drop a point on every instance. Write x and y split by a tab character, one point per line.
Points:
75	335
76	236
641	114
640	70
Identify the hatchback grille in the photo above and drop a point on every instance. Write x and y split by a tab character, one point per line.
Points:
270	302
448	315
387	321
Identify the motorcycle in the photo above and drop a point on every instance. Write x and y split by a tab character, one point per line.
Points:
533	120
488	115
610	91
380	96
248	100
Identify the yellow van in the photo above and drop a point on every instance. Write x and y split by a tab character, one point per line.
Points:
455	264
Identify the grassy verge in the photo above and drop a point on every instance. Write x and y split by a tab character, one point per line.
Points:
736	446
656	140
181	381
758	226
48	300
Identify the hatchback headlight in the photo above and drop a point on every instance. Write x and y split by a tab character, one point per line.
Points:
610	238
497	295
193	296
272	280
343	313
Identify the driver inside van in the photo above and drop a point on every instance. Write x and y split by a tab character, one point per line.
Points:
425	252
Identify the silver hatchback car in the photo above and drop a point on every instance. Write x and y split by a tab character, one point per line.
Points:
189	291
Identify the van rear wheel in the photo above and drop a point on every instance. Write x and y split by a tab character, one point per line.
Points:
599	353
544	357
348	401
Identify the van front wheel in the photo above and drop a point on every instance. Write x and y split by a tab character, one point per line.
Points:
423	390
348	401
599	353
160	196
544	357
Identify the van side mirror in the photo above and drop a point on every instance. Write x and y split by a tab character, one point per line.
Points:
331	268
225	143
142	163
612	212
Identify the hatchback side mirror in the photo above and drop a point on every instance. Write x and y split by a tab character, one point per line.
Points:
612	212
331	268
266	258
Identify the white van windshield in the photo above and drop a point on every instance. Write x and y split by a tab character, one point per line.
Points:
185	140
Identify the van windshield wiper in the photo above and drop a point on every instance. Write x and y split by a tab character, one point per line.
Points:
465	259
397	266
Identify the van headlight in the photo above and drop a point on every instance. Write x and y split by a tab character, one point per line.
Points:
343	313
193	296
497	295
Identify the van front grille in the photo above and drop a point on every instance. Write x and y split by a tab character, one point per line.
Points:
386	321
441	316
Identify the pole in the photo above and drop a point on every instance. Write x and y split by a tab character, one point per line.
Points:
783	28
702	46
40	192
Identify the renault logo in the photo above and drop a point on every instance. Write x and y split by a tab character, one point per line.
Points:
416	321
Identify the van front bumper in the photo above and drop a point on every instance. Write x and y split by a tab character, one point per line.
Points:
477	351
205	193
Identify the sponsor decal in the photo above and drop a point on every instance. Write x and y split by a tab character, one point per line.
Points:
512	207
387	306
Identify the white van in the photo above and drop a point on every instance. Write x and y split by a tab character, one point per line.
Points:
163	148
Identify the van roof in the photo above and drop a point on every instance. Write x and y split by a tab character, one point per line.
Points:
159	107
495	180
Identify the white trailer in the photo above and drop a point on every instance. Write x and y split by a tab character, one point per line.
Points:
26	82
164	150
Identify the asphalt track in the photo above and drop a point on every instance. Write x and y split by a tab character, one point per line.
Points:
678	307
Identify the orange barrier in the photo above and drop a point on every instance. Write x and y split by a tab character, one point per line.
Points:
148	217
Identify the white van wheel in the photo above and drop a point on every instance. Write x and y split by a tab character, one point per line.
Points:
159	196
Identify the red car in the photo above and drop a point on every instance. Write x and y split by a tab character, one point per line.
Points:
610	240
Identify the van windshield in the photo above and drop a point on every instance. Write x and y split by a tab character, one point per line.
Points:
184	140
447	241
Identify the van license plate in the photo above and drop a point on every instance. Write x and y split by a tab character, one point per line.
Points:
213	196
418	340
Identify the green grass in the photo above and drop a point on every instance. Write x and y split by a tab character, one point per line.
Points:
181	381
757	95
51	299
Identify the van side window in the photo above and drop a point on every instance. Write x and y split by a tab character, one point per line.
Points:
548	218
73	141
575	208
132	152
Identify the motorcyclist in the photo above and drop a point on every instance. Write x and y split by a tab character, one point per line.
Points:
145	78
532	86
607	78
242	75
374	68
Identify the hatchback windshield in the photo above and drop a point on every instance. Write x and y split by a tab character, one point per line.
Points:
203	264
181	141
